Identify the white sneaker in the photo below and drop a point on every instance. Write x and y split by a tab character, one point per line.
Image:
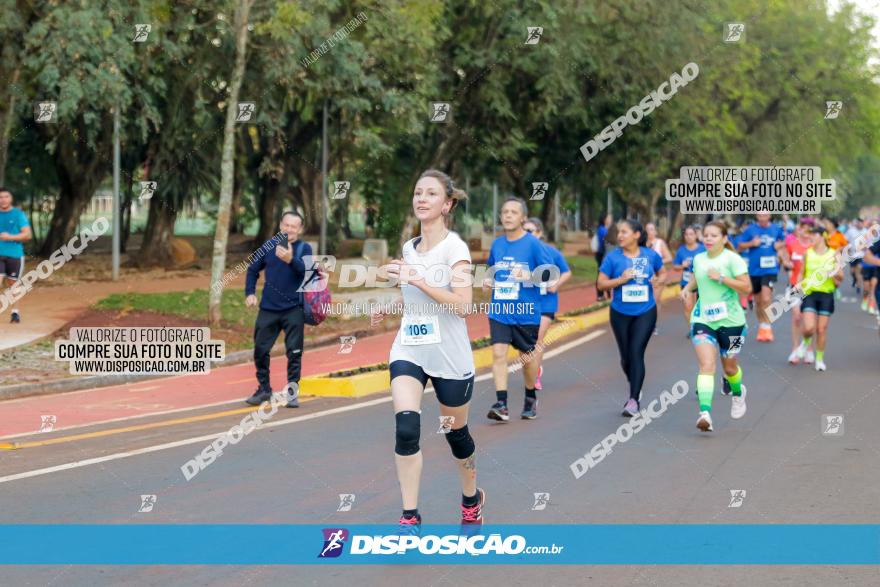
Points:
809	358
738	405
796	355
704	422
292	393
820	365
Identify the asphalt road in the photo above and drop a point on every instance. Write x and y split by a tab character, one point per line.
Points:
294	471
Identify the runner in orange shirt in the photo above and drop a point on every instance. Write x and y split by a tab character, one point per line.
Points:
833	237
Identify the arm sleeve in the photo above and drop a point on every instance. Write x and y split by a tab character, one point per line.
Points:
679	256
657	262
607	267
459	252
299	266
738	265
542	254
22	220
253	274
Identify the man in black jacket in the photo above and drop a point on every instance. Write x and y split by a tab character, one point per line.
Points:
280	306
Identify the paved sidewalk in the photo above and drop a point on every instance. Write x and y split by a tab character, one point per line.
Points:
221	385
47	308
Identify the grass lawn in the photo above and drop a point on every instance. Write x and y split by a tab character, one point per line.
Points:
583	269
191	304
194	304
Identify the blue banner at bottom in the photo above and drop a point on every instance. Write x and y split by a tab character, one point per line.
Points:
603	544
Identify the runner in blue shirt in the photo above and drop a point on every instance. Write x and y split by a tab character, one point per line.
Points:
549	295
684	258
872	256
765	242
632	271
515	311
871	274
14	230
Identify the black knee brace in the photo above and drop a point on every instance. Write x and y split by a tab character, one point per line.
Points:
409	426
461	442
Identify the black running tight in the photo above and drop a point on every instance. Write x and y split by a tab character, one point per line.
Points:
632	334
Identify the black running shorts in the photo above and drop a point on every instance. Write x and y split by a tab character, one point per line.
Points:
819	302
450	392
10	267
523	337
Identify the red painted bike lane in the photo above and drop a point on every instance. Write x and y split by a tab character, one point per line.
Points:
221	385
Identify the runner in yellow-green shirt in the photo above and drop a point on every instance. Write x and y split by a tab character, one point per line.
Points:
818	284
720	276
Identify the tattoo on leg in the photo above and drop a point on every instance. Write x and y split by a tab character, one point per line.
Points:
470	463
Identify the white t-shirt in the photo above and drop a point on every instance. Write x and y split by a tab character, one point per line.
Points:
853	233
424	323
657	246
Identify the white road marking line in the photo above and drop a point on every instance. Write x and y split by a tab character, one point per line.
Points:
124	418
209	437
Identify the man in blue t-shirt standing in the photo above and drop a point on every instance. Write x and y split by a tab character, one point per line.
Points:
515	311
765	242
281	305
14	230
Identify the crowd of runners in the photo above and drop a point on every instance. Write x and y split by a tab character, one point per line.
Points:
727	270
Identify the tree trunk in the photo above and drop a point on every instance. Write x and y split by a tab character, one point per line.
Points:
73	199
268	199
125	210
156	247
221	236
7	116
235	222
126	194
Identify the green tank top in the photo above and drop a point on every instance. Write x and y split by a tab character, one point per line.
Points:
819	271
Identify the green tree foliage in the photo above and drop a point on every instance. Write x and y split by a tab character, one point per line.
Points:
519	111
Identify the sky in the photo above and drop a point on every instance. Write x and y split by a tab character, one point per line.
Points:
871	7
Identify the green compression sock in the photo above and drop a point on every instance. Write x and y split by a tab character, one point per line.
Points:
820	355
735	381
808	340
705	389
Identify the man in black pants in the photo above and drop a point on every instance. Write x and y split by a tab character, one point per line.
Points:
280	306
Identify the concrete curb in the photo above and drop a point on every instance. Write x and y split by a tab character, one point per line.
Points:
62	385
318	385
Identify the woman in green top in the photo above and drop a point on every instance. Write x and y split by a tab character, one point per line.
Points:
818	284
720	276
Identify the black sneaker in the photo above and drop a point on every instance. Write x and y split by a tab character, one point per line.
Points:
292	395
16	318
725	389
499	412
259	397
530	409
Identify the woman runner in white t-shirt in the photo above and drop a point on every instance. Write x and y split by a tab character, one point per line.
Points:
659	246
433	343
